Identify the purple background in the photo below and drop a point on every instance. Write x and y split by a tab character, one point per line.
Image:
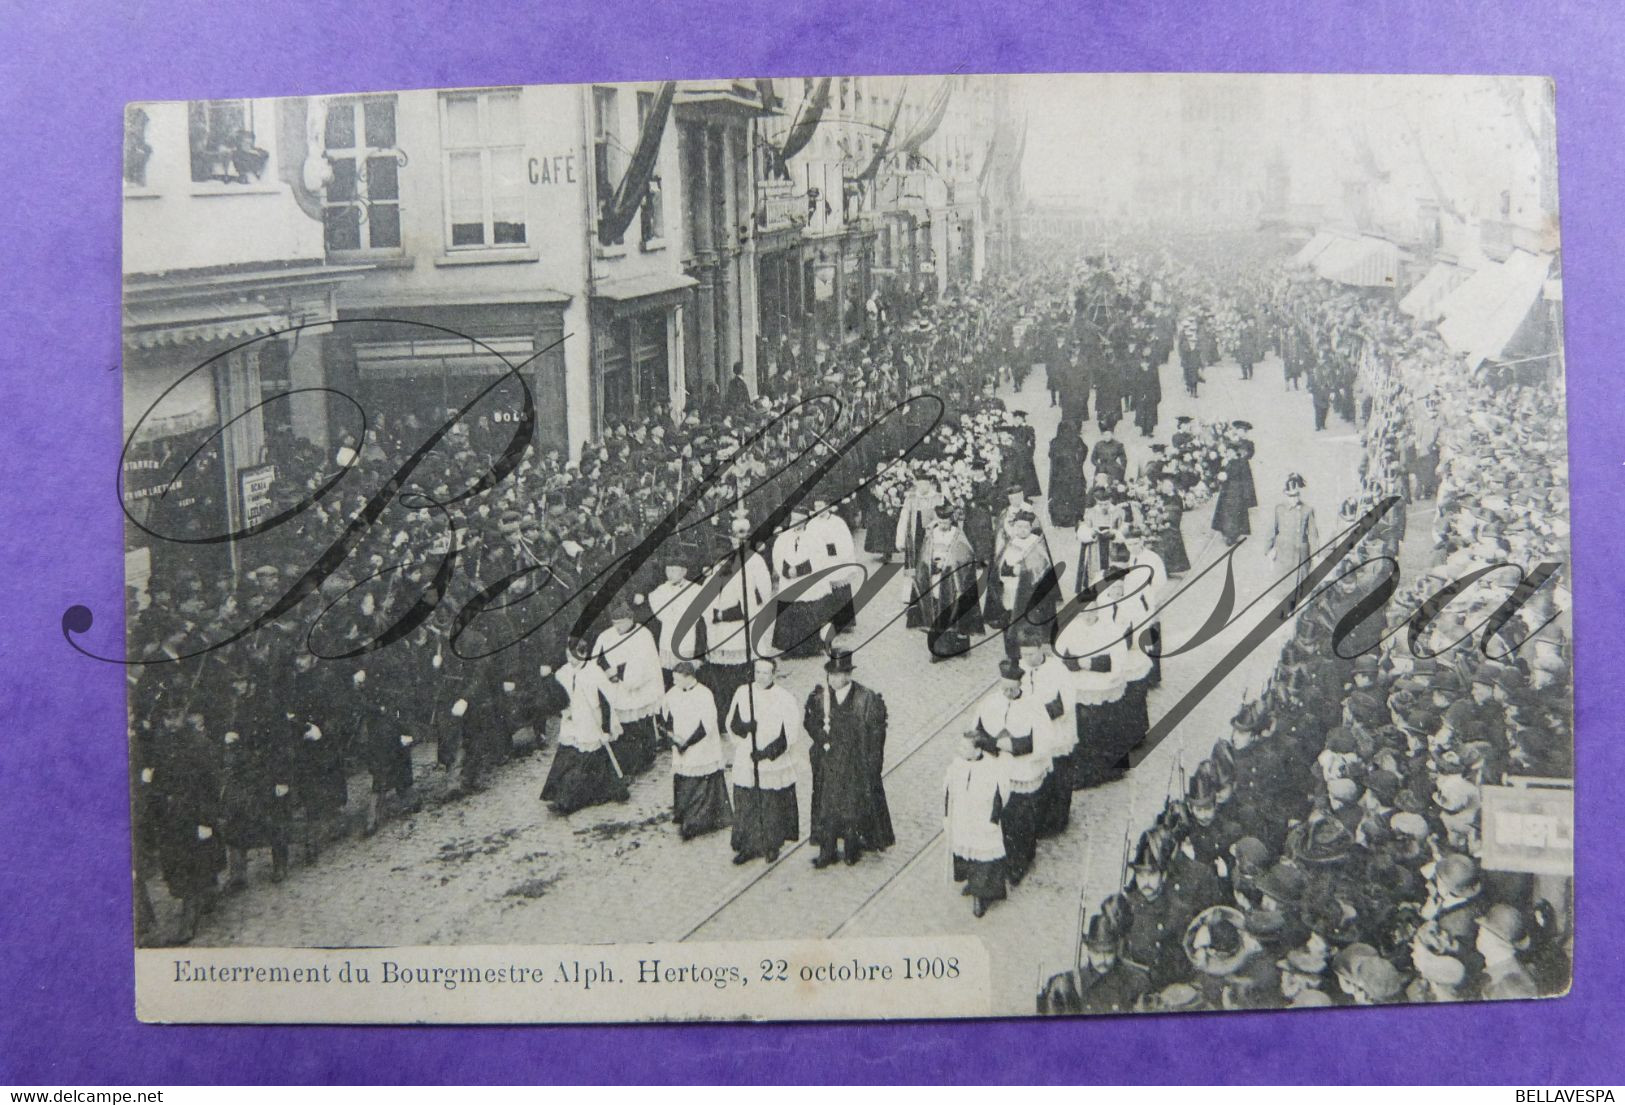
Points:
66	993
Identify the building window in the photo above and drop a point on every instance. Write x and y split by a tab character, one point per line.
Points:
136	150
606	144
653	212
221	134
484	169
362	207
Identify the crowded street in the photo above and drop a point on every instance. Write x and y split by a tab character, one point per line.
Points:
496	868
1177	607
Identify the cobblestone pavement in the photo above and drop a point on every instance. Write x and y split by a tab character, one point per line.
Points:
497	867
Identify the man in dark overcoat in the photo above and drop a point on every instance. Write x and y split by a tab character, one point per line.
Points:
846	723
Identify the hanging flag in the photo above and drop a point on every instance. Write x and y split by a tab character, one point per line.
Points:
634	185
882	147
936	110
801	131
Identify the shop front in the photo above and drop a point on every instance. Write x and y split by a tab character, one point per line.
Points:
412	371
637	349
210	365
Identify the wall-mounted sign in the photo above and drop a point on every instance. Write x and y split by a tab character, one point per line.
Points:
255	484
557	169
1528	827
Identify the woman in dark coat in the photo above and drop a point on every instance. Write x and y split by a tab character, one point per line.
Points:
1170	540
1068	489
1237	494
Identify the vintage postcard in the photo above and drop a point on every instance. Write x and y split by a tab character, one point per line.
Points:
846	547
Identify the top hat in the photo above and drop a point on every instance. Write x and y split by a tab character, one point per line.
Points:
840	660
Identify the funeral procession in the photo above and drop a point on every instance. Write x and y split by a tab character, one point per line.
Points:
1122	519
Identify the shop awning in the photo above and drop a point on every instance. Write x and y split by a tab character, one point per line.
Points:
425	358
1364	262
1423	300
643	292
1313	248
168	326
1481	316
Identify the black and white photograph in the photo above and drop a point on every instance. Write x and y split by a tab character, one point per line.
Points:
847	547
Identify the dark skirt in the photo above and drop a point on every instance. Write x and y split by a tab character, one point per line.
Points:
324	793
1230	514
983	878
723	680
699	804
879	530
1100	743
764	820
1171	547
1020	822
1134	719
846	614
389	762
1055	800
580	779
636	746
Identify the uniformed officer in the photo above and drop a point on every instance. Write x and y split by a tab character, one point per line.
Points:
1157	916
1106	983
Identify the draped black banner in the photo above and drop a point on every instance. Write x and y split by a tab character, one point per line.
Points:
801	131
623	205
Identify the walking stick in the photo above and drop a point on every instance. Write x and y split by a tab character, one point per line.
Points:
750	684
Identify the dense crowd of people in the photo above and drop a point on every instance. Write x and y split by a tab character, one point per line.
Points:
1335	826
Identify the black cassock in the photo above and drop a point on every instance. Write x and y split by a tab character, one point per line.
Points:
848	798
1068	491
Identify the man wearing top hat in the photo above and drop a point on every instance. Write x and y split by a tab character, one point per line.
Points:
846	725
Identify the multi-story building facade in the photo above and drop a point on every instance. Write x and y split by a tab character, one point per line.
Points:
867	186
624	246
229	300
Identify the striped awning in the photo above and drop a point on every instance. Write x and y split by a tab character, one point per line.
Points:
195	324
1423	300
1483	315
1364	262
1313	248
